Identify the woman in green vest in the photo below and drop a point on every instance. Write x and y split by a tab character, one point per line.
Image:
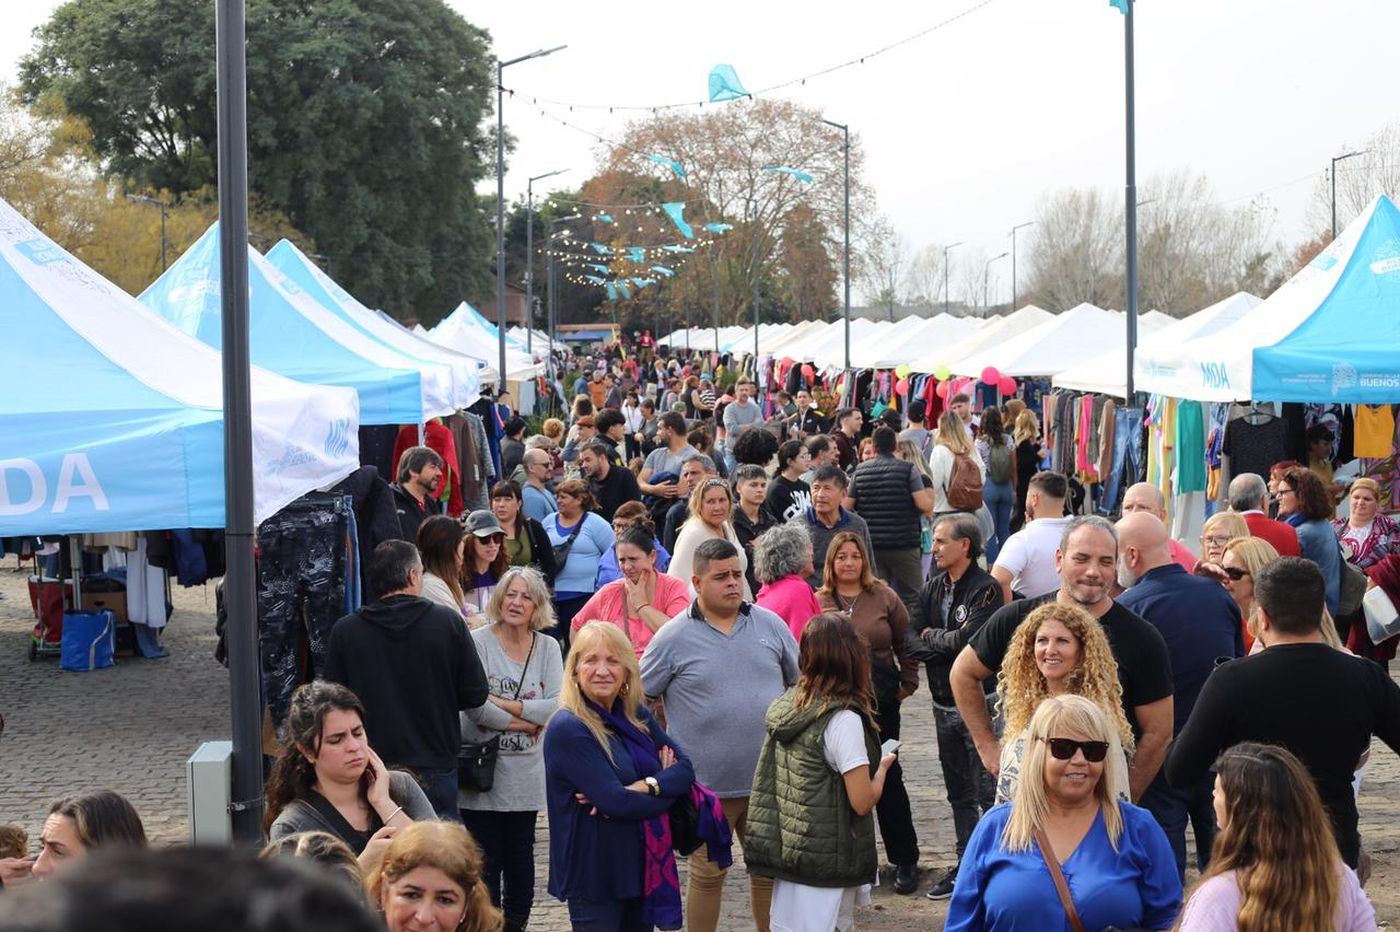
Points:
816	785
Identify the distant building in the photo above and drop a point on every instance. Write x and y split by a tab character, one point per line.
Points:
515	305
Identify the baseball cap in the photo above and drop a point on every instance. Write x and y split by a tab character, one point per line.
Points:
483	524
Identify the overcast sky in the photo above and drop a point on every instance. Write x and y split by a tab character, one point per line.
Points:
966	128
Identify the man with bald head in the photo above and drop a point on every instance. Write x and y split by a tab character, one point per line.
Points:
1201	624
1146	497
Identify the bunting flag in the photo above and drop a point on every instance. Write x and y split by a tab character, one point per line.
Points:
678	248
602	269
725	85
672	164
1122	5
601	250
788	170
643	282
626	292
612	291
636	254
604	218
596	279
719	227
676	211
663	270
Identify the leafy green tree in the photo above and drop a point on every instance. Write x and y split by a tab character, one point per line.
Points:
364	124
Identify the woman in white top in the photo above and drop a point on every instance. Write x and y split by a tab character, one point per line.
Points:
950	442
710	509
441	543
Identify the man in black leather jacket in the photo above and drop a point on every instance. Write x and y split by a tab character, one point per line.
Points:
957	600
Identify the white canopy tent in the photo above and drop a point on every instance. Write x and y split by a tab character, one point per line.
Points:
911	338
991	332
802	331
461	331
1049	347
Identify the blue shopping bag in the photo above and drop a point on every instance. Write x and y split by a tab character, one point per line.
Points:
89	639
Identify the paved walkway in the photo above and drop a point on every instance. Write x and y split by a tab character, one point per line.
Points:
131	728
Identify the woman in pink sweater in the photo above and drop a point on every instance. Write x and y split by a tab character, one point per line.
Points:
782	558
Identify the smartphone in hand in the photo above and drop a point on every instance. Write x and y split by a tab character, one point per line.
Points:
889	747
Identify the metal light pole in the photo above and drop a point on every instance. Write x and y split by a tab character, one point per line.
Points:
245	705
165	212
552	318
946	275
1333	174
1019	226
986	270
530	256
753	298
1130	195
846	272
501	204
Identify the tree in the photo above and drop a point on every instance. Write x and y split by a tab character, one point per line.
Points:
927	277
886	258
1076	254
1359	179
809	273
364	124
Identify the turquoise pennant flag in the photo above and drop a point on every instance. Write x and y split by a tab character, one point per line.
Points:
725	85
676	211
595	279
1122	5
719	227
643	282
788	170
605	218
601	250
636	254
672	164
612	292
594	265
626	292
678	248
663	270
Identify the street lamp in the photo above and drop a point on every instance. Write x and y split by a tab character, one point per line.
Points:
1019	226
530	256
846	273
550	315
946	276
1333	174
1130	183
752	211
986	270
501	203
165	212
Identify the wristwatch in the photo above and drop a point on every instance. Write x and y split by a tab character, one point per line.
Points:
653	785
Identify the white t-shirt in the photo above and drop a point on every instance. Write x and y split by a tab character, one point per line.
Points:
1029	556
798	907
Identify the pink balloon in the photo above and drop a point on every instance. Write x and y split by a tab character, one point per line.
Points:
901	387
990	375
941	390
1007	385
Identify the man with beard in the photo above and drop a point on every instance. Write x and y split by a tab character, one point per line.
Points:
612	485
415	494
1087	562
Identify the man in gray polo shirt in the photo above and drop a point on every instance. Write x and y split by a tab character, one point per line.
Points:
719	665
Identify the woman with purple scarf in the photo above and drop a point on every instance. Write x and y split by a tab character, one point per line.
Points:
612	775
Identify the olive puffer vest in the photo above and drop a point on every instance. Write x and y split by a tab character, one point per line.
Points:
881	490
801	827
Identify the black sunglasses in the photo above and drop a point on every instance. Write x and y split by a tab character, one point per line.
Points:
1064	748
1235	573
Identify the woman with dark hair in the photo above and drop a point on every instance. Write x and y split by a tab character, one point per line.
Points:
78	825
642	598
819	775
484	561
327	778
526	543
1275	863
579	537
1304	503
788	496
430	878
630	515
441	544
998	482
1029	453
322	849
755	447
850	590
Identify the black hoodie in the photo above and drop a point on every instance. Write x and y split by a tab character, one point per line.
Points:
413	665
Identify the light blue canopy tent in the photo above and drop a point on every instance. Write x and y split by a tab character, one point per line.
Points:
293	263
115	419
293	335
479	320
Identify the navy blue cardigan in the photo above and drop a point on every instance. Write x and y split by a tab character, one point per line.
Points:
601	857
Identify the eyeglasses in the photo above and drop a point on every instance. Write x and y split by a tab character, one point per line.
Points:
1235	573
1218	540
620	526
493	539
1064	748
1282	492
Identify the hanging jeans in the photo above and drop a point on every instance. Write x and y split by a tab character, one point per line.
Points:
301	593
999	497
1128	458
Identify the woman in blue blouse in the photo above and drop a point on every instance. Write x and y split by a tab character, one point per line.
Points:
611	775
1115	858
1304	503
576	575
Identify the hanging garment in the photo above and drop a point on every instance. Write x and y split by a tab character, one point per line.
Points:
145	590
438	438
485	464
377	447
1255	447
302	563
1190	448
1107	420
1129	458
1375	428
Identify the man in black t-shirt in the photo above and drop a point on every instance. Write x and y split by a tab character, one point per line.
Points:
1321	703
611	484
1087	562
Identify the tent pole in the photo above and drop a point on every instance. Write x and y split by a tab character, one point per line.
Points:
240	576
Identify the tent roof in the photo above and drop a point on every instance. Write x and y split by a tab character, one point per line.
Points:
901	345
466	331
1049	347
295	336
305	274
123	429
990	332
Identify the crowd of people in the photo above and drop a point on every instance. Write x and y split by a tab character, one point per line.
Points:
692	616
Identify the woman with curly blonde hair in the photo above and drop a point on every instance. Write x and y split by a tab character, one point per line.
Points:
1058	650
430	877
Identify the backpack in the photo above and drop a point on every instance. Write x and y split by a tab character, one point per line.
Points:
999	463
964	490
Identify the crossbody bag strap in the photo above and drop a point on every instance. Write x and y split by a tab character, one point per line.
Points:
1061	885
525	669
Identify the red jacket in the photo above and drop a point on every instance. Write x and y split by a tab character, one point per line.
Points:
1282	536
437	437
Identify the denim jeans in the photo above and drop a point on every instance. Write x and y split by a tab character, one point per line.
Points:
971	789
1172	808
507	842
999	498
440	786
1127	453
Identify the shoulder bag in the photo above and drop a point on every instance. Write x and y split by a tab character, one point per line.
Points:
1061	885
476	762
561	551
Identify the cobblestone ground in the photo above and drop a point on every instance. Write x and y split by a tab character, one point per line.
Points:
131	728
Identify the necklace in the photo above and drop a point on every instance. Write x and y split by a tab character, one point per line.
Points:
841	603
